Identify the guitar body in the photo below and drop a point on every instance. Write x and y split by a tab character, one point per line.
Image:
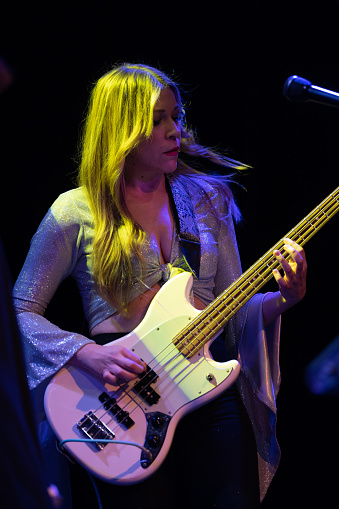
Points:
146	410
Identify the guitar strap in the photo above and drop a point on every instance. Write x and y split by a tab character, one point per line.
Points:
185	222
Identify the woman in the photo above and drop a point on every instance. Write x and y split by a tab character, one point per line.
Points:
121	234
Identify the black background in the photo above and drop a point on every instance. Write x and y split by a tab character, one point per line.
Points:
232	60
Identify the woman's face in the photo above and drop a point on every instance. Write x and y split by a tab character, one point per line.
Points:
159	154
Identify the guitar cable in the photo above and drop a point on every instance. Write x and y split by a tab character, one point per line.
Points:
95	487
105	441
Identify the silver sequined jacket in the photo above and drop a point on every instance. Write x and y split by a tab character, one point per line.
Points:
62	247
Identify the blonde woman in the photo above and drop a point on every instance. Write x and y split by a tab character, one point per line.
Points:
140	213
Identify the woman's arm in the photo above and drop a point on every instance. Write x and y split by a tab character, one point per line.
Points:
54	252
57	252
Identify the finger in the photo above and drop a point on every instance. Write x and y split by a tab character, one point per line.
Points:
109	377
292	243
283	262
132	362
127	365
120	360
296	257
133	366
279	279
299	257
297	247
293	247
115	372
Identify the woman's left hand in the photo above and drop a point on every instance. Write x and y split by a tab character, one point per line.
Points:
292	285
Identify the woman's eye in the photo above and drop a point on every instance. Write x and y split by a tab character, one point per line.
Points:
177	119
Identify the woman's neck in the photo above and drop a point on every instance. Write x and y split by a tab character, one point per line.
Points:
141	187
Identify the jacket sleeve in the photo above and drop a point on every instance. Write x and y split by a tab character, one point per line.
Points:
54	252
256	347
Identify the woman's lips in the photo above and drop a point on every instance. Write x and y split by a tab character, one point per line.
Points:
173	152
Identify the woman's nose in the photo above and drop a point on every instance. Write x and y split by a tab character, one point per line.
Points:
174	131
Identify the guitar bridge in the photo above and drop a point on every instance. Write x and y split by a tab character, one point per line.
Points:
95	429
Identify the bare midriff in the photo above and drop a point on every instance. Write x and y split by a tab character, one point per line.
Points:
136	311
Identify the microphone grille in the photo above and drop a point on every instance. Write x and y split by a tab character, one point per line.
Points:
295	88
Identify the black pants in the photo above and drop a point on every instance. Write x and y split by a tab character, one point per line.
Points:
212	462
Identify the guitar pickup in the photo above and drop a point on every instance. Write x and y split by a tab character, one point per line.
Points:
144	389
110	404
95	429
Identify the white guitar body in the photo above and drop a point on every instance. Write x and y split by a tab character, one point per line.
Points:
148	414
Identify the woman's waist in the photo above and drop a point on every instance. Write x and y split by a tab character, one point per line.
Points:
135	313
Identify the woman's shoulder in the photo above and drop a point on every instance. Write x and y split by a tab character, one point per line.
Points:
72	198
72	207
203	186
210	184
209	190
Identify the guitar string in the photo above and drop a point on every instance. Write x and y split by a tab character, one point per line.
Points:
218	327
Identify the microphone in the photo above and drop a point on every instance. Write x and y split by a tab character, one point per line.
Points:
301	90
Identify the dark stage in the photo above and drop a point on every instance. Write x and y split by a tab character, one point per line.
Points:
232	60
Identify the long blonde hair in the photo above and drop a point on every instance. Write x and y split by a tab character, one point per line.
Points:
120	115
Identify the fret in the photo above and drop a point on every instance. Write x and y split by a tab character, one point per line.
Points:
224	307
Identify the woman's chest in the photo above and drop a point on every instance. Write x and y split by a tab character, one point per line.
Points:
157	221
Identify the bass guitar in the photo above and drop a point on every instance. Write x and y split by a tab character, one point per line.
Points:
122	433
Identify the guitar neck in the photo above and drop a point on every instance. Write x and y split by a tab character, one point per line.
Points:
215	316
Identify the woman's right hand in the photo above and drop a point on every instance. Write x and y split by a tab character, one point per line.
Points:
108	362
